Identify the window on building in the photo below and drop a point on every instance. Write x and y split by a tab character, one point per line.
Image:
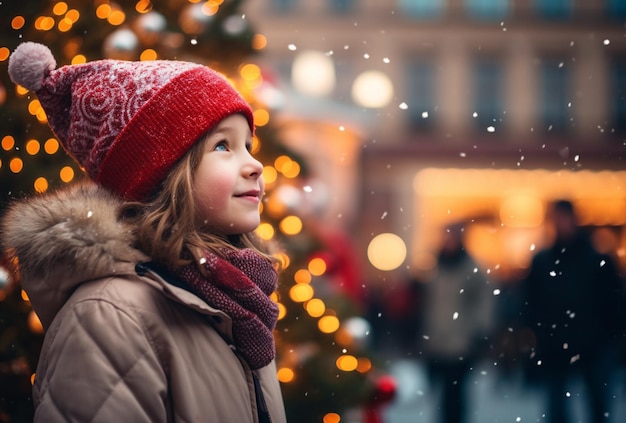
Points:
283	5
554	96
554	9
342	6
616	9
488	95
617	79
421	9
421	95
487	9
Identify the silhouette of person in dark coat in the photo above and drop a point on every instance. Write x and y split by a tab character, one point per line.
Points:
573	300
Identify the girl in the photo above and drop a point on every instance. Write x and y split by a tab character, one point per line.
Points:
152	289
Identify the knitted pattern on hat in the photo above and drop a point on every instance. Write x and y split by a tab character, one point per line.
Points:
126	123
240	285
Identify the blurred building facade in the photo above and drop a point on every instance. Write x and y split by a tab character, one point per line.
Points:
418	113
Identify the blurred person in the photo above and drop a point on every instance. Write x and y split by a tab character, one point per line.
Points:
152	288
456	322
573	295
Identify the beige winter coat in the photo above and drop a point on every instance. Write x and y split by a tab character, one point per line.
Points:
121	347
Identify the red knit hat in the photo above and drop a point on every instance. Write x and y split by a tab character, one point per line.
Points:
126	123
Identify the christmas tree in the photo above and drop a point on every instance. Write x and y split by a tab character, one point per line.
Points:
324	364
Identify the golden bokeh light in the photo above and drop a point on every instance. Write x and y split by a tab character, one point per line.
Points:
66	174
148	54
59	8
328	324
33	147
8	142
116	18
259	41
347	363
331	418
18	22
265	231
285	374
41	184
78	59
269	174
317	266
302	276
364	366
290	225
103	11
301	292
386	251
4	53
315	307
51	146
34	324
261	117
282	311
16	165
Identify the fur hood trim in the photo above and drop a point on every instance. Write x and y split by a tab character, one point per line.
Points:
65	238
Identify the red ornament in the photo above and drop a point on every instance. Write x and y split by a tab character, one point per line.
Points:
384	392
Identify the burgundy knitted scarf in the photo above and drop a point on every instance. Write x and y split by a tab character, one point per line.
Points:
240	285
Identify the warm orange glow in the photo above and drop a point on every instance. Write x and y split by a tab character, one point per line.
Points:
34	324
143	6
291	225
331	418
117	17
72	15
33	107
17	22
4	53
285	374
33	147
315	307
302	276
301	292
327	324
282	311
364	366
65	25
8	142
66	174
317	266
250	72
44	23
259	41
261	117
269	174
265	231
41	184
347	363
292	171
78	59
256	145
24	296
59	8
16	165
20	90
103	11
51	146
148	54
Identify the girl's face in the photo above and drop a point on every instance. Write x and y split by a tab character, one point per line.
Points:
228	184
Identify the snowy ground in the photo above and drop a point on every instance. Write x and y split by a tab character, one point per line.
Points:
493	399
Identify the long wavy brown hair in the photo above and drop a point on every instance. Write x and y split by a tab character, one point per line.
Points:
167	226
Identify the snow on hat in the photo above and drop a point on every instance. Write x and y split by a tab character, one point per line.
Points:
126	123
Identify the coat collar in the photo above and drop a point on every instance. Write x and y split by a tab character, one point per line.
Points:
65	238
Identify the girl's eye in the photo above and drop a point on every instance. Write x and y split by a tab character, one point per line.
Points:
221	146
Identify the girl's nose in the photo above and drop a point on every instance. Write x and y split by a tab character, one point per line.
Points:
253	168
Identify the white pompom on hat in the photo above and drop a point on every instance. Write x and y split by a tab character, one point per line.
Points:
126	123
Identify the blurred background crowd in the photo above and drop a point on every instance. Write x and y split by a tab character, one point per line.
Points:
446	176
